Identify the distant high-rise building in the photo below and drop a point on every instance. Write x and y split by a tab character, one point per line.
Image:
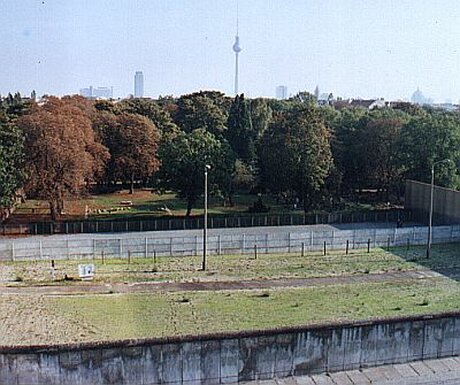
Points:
317	93
419	98
97	93
281	92
139	84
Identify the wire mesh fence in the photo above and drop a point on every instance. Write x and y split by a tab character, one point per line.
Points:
275	241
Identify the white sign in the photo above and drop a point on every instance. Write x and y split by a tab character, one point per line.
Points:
86	272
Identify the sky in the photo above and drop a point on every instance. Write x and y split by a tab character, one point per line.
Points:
352	48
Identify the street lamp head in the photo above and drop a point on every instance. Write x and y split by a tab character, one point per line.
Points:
207	167
442	161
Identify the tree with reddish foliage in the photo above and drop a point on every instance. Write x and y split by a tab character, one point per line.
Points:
133	142
62	152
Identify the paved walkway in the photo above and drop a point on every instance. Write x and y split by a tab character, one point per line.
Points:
151	287
445	371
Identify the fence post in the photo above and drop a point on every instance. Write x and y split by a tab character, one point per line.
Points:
303	250
388	244
40	245
348	245
243	243
170	245
368	245
102	257
146	248
219	245
255	251
129	257
324	248
154	256
196	244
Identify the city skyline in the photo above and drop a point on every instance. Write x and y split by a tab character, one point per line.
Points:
350	48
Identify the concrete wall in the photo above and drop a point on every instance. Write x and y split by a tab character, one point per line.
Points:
244	241
219	359
446	203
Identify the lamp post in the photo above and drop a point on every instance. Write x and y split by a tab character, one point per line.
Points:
205	224
430	221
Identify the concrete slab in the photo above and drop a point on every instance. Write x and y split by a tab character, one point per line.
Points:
357	377
451	363
390	372
341	378
286	381
405	370
322	379
375	375
421	368
304	381
436	366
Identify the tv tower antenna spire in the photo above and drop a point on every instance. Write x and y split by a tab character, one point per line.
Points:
236	49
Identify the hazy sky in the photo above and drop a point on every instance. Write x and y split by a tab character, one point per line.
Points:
354	48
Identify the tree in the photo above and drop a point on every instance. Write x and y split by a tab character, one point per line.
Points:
295	154
62	153
240	134
133	142
261	115
428	139
204	110
183	160
11	160
151	110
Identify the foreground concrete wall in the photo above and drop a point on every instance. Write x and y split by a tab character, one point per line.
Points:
446	203
232	358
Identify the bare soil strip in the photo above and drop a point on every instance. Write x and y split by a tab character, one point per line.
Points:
153	287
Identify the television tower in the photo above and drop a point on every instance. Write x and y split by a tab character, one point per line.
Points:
237	50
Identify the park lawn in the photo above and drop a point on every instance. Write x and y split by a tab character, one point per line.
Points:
144	203
236	267
127	316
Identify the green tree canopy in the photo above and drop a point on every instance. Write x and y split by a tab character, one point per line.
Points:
295	154
205	110
183	160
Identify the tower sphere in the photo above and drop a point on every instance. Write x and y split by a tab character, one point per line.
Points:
236	46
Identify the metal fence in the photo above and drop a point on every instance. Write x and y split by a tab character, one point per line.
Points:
183	223
218	244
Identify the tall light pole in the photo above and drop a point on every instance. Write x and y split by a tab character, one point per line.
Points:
430	221
205	224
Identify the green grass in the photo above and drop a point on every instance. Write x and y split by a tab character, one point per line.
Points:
237	267
144	203
167	314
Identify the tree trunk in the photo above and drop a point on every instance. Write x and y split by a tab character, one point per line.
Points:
53	210
189	208
131	185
